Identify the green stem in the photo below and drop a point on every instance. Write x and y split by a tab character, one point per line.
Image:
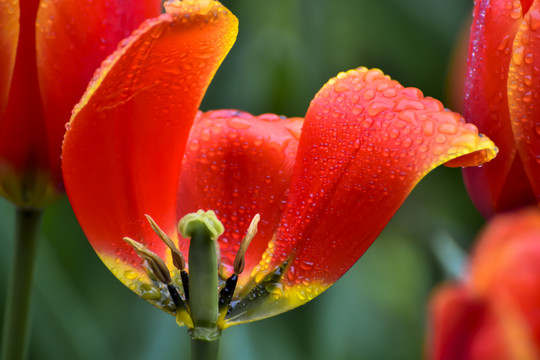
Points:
16	319
204	350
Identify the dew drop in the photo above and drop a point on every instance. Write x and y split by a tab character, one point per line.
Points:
516	10
149	292
535	19
517	55
367	122
341	87
205	135
448	128
357	110
238	124
130	274
194	145
428	128
440	139
369	94
376	108
503	43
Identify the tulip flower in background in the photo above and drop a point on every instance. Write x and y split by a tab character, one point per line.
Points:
501	98
49	52
493	312
310	194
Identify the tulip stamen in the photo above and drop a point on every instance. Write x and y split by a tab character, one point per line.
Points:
177	256
155	263
239	261
227	292
157	268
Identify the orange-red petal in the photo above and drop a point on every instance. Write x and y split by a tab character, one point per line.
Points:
494	313
72	39
524	94
365	143
239	165
123	151
23	148
462	326
506	268
502	184
9	33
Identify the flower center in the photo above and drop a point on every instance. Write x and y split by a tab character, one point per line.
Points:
203	302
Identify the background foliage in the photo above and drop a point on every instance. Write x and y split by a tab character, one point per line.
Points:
286	50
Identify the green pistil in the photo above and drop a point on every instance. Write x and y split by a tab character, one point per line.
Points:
203	229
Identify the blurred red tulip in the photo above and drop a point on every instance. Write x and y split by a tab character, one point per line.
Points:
137	145
50	49
502	99
495	313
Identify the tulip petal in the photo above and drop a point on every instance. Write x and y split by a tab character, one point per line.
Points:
239	165
502	184
494	313
23	155
455	319
462	327
506	268
524	94
73	38
9	33
365	143
123	151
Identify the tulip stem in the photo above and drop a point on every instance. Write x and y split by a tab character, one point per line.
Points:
204	350
16	319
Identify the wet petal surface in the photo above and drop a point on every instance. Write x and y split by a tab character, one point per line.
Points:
239	165
502	184
524	94
73	38
123	151
365	143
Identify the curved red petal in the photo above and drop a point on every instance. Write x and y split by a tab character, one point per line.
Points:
9	33
456	321
365	143
506	267
239	165
72	39
494	314
23	150
123	151
524	94
500	185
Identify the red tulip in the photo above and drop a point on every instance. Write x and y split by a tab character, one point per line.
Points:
494	313
49	52
502	99
137	145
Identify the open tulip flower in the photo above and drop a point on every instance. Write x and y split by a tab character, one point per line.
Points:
310	194
49	52
493	313
501	98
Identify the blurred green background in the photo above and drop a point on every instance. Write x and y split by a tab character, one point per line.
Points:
286	50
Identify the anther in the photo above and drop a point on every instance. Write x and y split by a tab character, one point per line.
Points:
177	256
158	268
156	264
239	261
227	292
